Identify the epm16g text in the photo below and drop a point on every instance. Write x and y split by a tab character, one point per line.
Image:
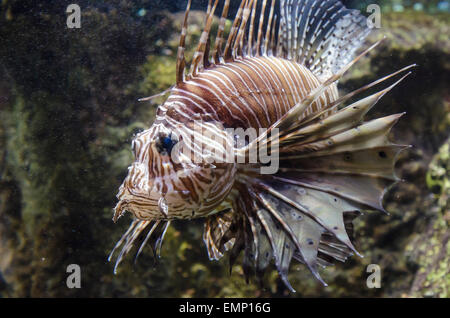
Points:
242	307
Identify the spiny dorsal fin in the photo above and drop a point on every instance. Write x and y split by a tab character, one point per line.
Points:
322	35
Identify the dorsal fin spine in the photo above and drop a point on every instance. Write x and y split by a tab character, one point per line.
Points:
239	44
269	27
229	46
260	29
272	37
203	43
219	38
181	60
208	42
251	29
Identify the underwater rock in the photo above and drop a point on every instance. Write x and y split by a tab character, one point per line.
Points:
431	249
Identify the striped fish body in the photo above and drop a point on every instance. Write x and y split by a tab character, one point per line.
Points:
252	92
279	78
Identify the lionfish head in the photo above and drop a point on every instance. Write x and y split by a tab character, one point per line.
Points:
165	182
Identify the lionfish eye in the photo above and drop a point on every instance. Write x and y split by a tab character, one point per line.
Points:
165	144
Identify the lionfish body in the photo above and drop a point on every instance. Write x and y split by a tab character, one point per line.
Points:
280	78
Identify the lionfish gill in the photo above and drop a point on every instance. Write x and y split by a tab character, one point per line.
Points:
280	74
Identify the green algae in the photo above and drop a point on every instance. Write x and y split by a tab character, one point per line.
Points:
431	250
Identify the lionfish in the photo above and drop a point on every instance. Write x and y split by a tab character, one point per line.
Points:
280	75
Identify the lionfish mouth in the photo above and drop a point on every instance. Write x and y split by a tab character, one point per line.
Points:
141	205
122	205
156	228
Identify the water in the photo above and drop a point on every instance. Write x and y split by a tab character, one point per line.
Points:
69	109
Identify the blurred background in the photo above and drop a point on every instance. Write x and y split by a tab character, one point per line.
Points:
68	113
